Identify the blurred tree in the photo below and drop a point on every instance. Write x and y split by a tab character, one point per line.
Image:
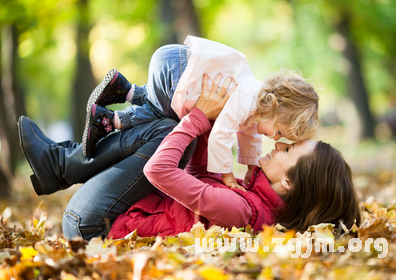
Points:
5	179
356	85
84	81
11	104
180	20
26	29
342	37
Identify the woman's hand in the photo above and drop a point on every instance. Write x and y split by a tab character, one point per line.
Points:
212	101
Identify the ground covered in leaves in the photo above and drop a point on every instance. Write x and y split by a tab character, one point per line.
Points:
32	245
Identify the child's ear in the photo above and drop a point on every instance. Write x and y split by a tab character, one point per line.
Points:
286	184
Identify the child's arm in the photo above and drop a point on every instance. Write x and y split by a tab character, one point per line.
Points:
248	175
230	181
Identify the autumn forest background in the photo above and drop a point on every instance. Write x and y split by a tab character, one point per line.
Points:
54	53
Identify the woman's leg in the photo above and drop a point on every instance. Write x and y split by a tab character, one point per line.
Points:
97	203
57	166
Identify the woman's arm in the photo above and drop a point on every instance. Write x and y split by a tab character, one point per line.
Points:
199	161
220	206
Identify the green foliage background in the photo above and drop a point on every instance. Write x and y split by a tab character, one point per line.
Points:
294	34
273	35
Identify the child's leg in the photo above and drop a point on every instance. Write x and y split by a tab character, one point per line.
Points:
154	99
134	115
166	68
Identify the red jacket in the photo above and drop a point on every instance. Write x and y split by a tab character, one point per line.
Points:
183	198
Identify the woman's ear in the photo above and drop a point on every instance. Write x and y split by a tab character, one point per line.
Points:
286	184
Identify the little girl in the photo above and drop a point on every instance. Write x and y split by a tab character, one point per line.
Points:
284	105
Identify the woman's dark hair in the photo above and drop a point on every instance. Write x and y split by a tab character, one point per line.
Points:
322	191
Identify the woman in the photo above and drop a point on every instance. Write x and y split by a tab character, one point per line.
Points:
297	185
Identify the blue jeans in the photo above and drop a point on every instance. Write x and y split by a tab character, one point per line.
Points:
96	204
154	99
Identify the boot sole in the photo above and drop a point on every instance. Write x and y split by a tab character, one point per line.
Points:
33	178
93	99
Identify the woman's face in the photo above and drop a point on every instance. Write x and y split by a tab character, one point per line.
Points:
282	158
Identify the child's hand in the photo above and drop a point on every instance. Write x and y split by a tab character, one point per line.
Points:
229	181
248	175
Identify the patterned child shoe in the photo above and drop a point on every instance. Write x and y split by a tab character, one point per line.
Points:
113	89
98	124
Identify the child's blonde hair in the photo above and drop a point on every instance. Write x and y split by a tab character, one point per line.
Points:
289	98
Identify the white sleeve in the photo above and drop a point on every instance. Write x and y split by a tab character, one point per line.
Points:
249	146
236	110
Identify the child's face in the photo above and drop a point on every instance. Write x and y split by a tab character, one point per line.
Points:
269	129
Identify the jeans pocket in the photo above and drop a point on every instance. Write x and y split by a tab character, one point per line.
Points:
71	224
128	151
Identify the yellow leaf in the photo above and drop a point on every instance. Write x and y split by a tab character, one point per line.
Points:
210	272
234	230
97	248
266	235
28	253
171	241
240	234
186	239
381	212
213	232
281	228
198	230
131	236
324	233
391	216
324	230
176	258
288	235
67	276
5	273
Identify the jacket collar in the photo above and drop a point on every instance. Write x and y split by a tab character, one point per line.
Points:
262	188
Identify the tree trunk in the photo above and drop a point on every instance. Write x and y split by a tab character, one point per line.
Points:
356	86
84	81
11	106
180	20
4	180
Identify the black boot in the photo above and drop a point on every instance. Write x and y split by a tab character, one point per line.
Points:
56	167
98	124
41	135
